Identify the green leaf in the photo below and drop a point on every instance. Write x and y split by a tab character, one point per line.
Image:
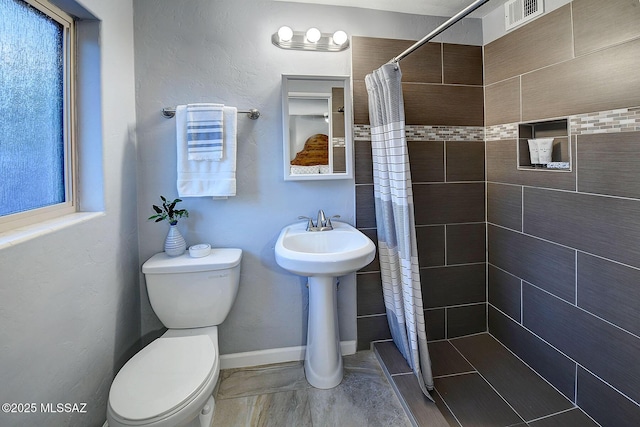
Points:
157	209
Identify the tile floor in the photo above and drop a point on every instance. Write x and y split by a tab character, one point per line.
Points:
279	395
478	382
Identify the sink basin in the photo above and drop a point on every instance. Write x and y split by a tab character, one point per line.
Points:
323	253
322	256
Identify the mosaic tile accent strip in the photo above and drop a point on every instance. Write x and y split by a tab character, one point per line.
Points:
508	131
361	133
610	121
444	133
620	120
429	133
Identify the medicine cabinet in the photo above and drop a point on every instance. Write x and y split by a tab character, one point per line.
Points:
317	131
558	130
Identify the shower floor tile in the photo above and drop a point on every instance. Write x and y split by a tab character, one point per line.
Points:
573	418
478	382
446	360
474	402
530	395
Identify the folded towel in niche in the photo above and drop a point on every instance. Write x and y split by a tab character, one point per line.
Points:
205	129
198	178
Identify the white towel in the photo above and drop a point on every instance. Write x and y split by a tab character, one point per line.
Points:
205	131
201	179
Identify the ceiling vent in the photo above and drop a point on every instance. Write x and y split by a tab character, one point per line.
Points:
517	12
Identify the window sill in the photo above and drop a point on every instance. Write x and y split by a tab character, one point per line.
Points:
23	234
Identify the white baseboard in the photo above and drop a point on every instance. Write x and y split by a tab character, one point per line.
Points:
274	355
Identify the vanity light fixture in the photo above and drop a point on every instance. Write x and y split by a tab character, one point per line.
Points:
285	34
312	35
312	39
340	37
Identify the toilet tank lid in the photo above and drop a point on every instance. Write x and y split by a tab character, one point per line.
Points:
218	259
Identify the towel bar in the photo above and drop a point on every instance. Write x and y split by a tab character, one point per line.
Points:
253	113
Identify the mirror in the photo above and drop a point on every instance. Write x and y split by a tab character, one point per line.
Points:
316	116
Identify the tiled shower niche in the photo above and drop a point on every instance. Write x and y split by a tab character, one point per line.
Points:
556	129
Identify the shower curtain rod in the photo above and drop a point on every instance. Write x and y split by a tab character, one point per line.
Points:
455	18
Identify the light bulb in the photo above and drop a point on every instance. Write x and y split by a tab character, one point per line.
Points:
313	35
285	33
339	37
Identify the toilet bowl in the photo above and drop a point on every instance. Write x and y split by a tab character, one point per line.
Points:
170	382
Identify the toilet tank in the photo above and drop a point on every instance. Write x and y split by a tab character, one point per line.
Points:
188	292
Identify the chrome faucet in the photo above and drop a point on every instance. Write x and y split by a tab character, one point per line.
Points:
322	222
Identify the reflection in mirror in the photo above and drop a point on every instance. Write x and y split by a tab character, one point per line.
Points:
317	132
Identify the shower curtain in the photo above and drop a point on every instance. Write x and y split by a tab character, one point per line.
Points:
397	245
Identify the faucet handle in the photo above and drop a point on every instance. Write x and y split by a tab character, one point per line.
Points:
309	223
329	220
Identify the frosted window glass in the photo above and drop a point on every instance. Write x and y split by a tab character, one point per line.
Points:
32	172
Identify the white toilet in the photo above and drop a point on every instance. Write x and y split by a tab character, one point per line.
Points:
170	382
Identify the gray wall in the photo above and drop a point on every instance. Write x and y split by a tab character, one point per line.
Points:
69	304
199	51
69	300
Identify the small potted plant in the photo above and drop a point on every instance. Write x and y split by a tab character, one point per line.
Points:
174	244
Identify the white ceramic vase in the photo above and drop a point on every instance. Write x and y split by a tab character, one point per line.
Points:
174	244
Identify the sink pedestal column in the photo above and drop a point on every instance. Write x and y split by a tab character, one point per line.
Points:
323	357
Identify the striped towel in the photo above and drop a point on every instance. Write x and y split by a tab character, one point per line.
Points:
204	131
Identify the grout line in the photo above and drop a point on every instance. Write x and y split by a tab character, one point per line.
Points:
448	407
575	298
362	316
521	302
574	162
442	63
450	223
446	263
504	314
552	415
444	158
534	237
573	37
465	336
429	267
469	304
457	374
489	384
446	324
575	386
522	209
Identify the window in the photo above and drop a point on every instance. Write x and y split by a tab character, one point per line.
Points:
36	120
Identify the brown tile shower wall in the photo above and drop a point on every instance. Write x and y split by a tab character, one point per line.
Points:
564	247
442	88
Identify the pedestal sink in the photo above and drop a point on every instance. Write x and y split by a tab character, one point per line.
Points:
323	256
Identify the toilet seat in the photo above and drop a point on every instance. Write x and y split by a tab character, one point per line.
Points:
163	378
